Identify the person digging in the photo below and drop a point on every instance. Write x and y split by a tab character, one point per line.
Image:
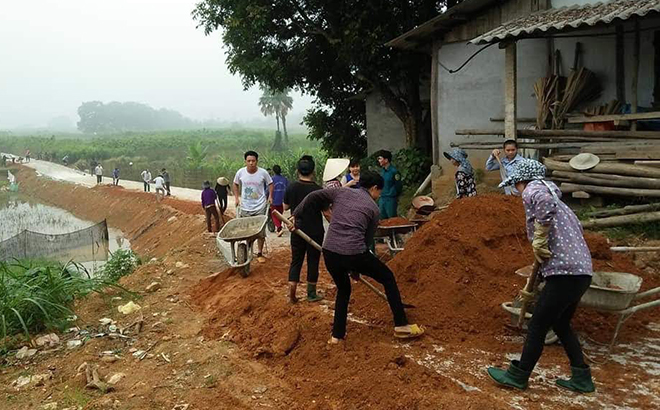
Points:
355	217
310	222
565	265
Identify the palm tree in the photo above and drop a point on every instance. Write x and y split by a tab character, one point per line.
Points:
278	103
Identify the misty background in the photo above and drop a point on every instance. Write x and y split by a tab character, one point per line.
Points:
58	54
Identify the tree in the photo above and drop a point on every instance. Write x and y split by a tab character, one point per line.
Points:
332	49
196	155
278	103
97	117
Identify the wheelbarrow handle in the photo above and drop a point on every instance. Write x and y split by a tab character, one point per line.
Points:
530	287
312	242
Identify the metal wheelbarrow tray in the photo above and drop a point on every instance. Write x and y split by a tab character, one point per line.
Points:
241	233
390	233
615	292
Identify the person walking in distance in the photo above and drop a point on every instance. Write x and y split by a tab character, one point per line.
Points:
280	184
208	203
115	176
146	178
565	264
166	178
389	199
98	171
310	222
249	190
222	191
355	217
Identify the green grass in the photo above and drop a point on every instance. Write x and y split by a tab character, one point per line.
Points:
39	295
649	230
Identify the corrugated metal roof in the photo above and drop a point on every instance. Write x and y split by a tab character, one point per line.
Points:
568	18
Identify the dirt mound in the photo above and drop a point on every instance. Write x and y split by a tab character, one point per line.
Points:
396	221
459	267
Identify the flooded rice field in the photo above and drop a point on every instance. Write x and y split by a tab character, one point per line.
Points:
18	213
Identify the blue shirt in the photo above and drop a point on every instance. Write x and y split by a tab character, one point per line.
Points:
509	166
279	188
391	177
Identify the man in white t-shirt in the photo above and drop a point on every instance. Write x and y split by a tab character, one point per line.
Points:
98	171
146	178
159	183
252	182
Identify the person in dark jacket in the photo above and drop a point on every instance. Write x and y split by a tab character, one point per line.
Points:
208	203
222	190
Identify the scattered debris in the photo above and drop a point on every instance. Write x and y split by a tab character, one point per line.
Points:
49	340
49	406
33	380
129	308
153	260
260	390
25	352
116	378
154	286
73	344
181	265
94	381
106	321
181	407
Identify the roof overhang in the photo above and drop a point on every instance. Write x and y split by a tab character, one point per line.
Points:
569	18
423	34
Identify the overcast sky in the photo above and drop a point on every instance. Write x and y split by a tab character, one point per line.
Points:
55	54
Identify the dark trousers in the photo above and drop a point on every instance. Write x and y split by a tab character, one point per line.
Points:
115	181
222	200
147	187
300	248
555	309
99	178
366	263
167	188
212	210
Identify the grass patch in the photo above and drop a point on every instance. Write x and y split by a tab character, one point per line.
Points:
39	295
121	263
649	230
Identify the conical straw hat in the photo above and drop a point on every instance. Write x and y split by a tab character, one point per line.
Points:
334	167
583	162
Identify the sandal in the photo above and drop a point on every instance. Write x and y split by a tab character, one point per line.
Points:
415	332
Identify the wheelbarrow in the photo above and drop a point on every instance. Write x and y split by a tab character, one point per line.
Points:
240	234
615	292
390	233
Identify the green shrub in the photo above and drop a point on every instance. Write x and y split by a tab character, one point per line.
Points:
39	295
121	263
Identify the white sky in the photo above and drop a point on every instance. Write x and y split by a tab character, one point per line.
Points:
55	54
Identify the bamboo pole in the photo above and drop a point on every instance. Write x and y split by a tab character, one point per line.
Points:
622	220
566	133
607	168
601	190
635	248
635	75
626	210
610	180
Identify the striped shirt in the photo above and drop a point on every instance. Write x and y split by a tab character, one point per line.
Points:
355	217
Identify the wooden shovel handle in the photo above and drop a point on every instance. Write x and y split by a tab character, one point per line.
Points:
530	287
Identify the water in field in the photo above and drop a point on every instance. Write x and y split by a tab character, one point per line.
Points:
17	214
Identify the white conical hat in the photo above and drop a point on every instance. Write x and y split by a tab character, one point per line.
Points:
334	167
583	162
223	181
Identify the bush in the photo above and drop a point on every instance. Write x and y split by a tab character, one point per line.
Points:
121	263
412	163
38	295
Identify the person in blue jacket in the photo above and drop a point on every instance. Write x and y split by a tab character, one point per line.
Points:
392	188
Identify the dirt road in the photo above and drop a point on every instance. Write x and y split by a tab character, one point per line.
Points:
214	340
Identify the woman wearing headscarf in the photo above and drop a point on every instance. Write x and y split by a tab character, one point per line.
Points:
565	265
465	185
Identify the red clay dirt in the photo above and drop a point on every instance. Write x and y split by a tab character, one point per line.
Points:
456	269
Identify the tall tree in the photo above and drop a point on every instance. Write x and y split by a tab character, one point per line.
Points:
278	103
332	49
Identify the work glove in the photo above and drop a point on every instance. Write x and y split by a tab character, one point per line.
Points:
526	297
540	242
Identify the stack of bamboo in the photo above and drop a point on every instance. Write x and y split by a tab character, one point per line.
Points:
606	179
623	216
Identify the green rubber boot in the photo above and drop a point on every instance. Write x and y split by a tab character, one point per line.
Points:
513	377
312	296
580	381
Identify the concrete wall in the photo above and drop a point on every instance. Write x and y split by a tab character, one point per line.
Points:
384	130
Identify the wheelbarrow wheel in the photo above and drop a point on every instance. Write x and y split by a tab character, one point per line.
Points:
271	224
242	257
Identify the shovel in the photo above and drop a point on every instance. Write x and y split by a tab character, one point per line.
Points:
530	287
318	248
507	189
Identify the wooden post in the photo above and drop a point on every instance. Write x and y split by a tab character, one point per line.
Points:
620	65
435	72
635	75
510	90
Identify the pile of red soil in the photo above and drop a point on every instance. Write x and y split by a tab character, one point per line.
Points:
459	267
